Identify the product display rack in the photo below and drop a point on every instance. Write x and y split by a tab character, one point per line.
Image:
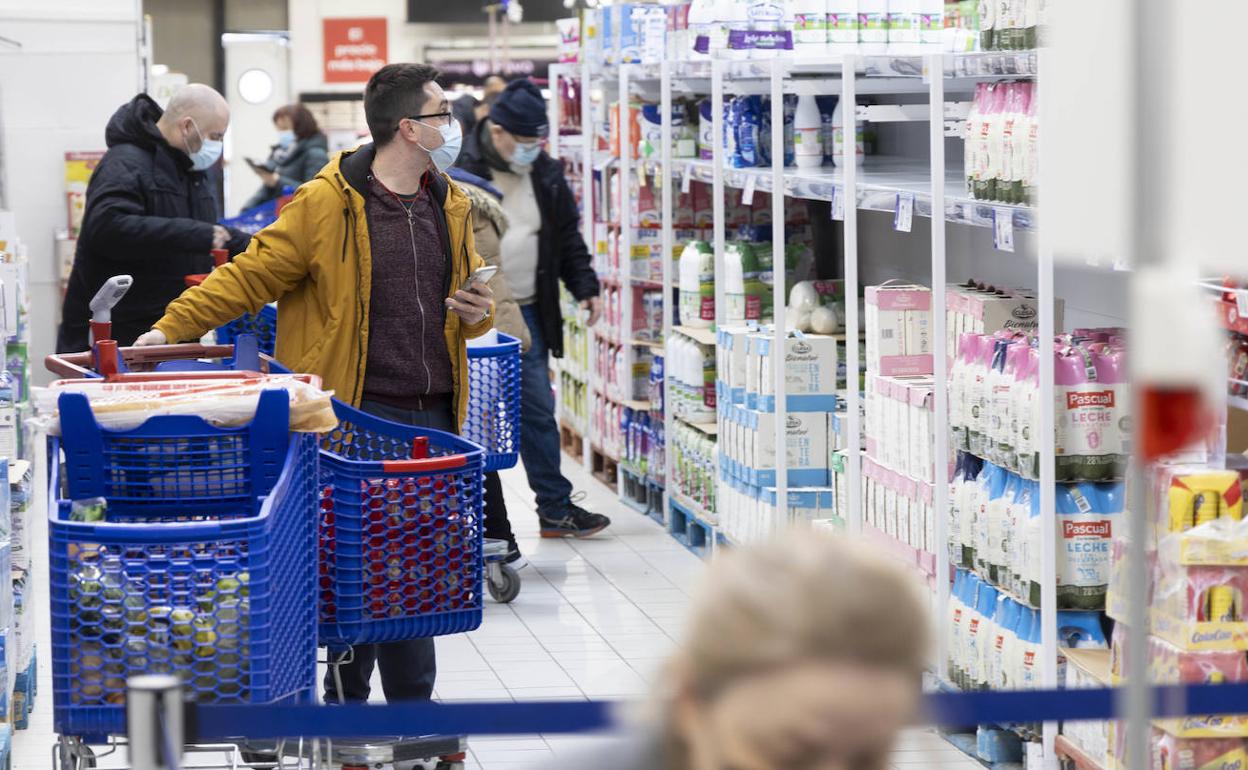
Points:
880	185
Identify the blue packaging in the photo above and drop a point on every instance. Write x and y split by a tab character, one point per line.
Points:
764	141
827	105
746	120
1087	516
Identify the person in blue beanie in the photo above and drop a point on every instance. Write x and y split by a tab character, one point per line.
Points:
542	246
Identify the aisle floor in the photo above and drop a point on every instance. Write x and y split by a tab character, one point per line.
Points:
594	620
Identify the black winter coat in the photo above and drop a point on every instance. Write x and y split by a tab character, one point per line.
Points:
561	250
148	215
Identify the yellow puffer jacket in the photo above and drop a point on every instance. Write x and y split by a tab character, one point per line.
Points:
315	262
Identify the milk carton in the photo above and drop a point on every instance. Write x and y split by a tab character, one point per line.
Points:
1092	425
1086	514
922	429
806	448
898	321
754	371
809	373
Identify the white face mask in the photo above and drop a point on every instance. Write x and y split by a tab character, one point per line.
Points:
444	156
208	153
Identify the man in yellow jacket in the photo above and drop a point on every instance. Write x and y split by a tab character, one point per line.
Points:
367	264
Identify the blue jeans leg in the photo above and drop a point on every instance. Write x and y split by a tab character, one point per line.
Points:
408	668
539	432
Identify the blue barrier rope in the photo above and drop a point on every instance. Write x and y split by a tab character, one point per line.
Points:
209	722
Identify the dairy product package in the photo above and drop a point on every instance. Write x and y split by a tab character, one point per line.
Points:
1086	515
809	373
806	448
1170	752
1091	412
898	329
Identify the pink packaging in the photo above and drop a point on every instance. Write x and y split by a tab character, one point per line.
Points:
1091	419
898	329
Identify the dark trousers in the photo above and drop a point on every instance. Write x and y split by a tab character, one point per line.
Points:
497	526
408	668
539	431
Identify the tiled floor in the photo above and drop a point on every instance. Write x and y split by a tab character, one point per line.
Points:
594	620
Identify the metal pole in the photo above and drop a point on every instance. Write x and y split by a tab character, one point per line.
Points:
780	336
669	414
849	188
588	219
154	722
625	247
940	490
717	185
1152	54
493	22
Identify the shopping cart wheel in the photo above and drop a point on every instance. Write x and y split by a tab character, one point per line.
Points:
75	755
503	582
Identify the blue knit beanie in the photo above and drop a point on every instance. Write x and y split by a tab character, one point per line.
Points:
520	109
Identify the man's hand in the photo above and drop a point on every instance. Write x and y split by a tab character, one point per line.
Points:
154	337
594	306
220	237
473	305
270	178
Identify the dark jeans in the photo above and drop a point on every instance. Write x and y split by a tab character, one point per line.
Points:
539	432
408	668
497	526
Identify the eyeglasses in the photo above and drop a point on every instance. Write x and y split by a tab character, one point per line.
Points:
439	118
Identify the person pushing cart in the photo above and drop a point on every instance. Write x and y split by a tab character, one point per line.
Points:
372	265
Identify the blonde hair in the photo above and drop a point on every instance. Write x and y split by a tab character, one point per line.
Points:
803	596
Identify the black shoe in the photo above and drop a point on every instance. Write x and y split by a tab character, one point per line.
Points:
572	521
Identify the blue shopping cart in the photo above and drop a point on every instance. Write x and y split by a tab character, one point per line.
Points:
200	567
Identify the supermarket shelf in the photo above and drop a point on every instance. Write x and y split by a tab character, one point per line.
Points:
655	344
615	282
701	514
709	428
609	455
1069	751
1237	402
881	180
635	404
899	63
704	336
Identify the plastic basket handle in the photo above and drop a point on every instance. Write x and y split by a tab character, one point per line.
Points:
424	465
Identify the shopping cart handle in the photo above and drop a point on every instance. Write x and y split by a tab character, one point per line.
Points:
426	464
79	365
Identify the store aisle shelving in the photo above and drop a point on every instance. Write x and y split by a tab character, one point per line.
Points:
594	620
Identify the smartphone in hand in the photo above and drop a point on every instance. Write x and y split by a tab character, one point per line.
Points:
480	275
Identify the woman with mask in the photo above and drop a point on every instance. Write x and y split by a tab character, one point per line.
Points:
803	653
300	152
542	246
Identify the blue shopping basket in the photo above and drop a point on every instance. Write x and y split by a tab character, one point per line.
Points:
493	419
203	568
401	532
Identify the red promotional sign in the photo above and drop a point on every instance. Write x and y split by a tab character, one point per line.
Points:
354	49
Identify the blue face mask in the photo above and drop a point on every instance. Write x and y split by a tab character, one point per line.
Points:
208	153
526	154
286	138
444	156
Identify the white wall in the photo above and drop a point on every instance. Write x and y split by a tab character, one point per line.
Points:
78	63
406	42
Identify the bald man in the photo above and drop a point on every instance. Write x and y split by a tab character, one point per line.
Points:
151	212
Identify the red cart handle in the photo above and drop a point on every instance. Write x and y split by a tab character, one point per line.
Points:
427	464
80	365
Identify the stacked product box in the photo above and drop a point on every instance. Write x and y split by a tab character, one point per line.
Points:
978	308
1198	631
898	422
898	505
746	398
1088	669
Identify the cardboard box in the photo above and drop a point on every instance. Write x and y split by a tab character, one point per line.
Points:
899	323
809	373
806	448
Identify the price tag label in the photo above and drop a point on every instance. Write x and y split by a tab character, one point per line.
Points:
686	180
904	216
747	194
838	204
1003	229
1241	302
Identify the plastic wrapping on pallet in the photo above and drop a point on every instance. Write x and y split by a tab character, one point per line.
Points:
220	402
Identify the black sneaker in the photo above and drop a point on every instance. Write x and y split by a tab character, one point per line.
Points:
572	521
